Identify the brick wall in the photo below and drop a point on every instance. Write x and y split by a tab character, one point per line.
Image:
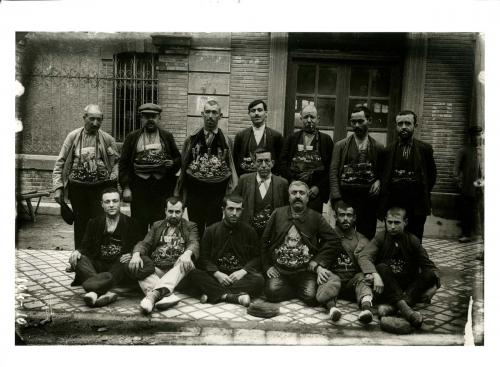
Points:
447	99
249	76
34	180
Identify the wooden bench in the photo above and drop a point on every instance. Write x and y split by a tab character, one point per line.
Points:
27	196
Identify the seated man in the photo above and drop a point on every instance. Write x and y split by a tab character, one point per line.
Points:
345	277
296	242
229	262
101	261
262	191
402	263
169	247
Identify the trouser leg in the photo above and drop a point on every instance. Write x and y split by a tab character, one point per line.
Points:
97	276
149	283
205	283
467	214
422	282
204	203
416	225
392	289
171	278
306	286
85	268
147	269
80	206
365	207
279	289
251	283
358	287
328	292
148	202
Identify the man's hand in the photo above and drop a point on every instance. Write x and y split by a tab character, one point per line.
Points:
58	196
313	192
375	189
74	257
378	284
185	262
323	274
272	272
223	279
127	195
135	263
237	275
125	258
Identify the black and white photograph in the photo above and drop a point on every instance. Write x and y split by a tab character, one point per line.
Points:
236	188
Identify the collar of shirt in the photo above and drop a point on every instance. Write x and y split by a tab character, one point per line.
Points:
260	179
214	131
300	218
259	130
348	235
362	144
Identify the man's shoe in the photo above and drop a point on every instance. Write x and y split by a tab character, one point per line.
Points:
464	239
238	299
167	302
203	298
90	298
415	319
148	303
385	310
365	317
334	314
106	299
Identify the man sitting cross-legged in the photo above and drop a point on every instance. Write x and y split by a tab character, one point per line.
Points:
169	248
100	263
345	277
229	262
402	263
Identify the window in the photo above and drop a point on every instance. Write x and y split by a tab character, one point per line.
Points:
135	83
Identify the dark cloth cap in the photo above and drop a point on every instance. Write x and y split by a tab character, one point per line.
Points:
150	108
67	213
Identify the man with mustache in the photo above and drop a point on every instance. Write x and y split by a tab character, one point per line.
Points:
166	256
259	135
398	258
408	175
203	196
262	191
344	277
297	247
149	161
306	156
354	172
229	265
87	164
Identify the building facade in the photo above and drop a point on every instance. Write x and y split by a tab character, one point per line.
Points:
434	74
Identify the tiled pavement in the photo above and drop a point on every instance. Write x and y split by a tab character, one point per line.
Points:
43	273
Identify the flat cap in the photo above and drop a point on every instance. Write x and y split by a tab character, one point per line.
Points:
150	108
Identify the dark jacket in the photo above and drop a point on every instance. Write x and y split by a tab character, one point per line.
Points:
247	186
467	170
274	143
189	232
317	234
425	169
339	156
380	249
243	240
319	178
95	231
126	170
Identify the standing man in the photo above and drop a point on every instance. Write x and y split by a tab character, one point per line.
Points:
257	136
86	165
101	261
149	161
297	246
345	278
469	176
170	247
208	170
397	258
262	191
229	266
354	172
306	156
409	174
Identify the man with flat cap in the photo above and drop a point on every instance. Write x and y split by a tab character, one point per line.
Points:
86	165
148	164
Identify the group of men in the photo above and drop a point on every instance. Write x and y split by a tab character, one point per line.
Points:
258	228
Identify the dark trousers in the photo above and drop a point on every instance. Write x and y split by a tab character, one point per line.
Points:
205	283
404	287
316	204
86	204
100	276
302	285
354	288
204	203
471	214
365	207
416	224
148	201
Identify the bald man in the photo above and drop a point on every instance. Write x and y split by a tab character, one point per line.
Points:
86	165
306	156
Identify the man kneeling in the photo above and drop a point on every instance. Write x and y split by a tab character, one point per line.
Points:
402	263
345	277
169	247
101	261
229	260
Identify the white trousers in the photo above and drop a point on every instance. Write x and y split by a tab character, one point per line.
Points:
161	279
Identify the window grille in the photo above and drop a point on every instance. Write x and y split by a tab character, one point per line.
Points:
135	83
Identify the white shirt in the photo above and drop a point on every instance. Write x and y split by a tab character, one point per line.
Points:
258	132
263	185
362	144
